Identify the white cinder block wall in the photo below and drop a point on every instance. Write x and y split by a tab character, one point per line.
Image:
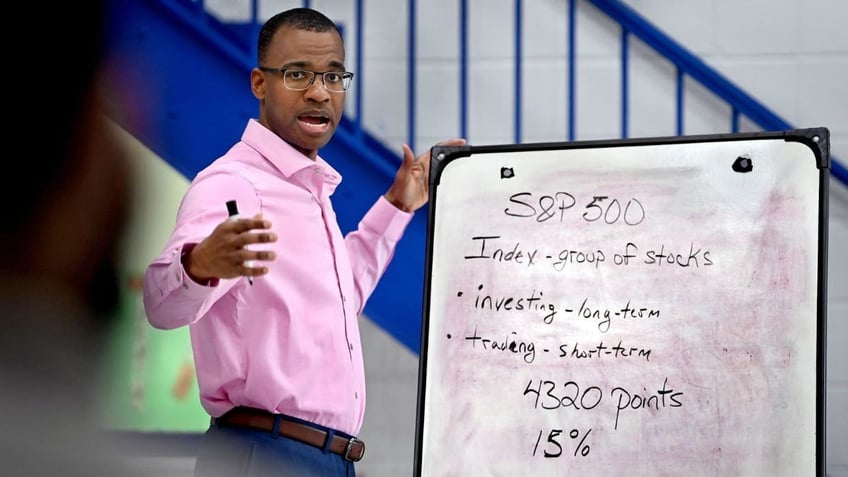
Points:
791	55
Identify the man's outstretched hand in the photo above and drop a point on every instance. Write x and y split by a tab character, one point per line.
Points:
411	188
223	254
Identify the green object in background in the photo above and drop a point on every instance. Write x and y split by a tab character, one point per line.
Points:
148	384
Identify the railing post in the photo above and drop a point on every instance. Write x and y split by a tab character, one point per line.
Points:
679	100
360	23
625	67
463	68
571	47
518	53
412	73
255	26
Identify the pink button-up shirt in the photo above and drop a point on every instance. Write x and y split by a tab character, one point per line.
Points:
290	342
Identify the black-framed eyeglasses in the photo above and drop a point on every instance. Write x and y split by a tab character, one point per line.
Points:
301	80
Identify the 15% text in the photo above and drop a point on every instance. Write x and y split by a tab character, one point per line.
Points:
552	447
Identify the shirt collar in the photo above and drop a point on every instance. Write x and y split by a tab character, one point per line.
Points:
283	155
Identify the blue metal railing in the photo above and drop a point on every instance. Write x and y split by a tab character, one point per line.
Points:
411	77
518	55
632	24
687	64
572	70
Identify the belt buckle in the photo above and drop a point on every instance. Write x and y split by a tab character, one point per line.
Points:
348	448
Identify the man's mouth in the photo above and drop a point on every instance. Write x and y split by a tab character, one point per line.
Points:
314	118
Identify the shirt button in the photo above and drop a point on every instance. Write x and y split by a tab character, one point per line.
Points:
356	395
350	346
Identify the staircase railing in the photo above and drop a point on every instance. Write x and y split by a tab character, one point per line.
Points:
688	64
631	23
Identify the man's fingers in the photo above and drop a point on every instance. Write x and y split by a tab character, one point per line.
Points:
246	257
452	142
254	271
256	237
263	255
245	225
408	155
246	262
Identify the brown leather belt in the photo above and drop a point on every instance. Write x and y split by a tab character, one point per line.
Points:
351	449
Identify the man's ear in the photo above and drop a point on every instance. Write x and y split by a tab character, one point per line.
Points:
257	83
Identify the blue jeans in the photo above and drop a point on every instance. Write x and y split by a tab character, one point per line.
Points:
242	452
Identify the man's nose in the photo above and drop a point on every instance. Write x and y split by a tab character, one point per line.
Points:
317	90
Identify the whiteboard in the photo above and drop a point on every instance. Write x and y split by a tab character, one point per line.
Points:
635	307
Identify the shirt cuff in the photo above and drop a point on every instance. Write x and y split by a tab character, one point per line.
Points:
185	278
387	220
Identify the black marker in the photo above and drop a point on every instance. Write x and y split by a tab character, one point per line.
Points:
232	210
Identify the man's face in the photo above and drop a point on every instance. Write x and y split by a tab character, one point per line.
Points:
305	119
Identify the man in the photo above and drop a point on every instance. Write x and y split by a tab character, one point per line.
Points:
272	300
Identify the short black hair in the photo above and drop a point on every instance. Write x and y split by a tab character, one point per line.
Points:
299	18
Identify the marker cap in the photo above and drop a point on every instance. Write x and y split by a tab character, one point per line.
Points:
232	208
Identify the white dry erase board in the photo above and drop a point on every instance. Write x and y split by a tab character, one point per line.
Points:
640	307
